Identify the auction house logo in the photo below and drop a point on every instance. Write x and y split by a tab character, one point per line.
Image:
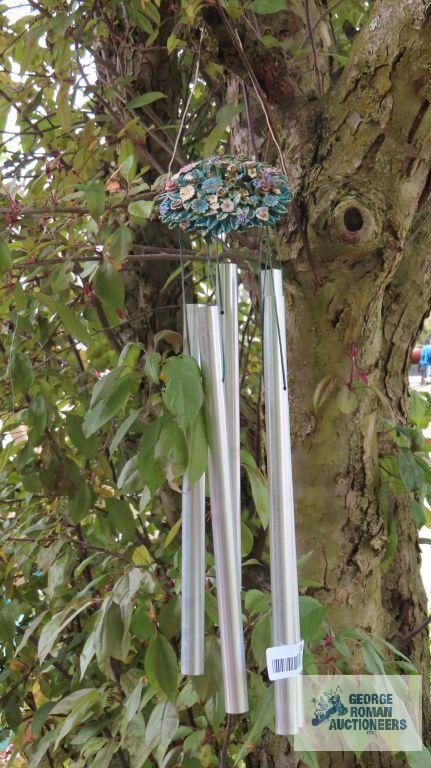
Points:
369	712
361	712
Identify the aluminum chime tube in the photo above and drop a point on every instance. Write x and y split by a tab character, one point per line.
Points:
222	514
193	543
227	295
289	708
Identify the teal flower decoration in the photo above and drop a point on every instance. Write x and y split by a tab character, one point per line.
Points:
223	194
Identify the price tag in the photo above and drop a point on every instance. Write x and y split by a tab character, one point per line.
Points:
284	660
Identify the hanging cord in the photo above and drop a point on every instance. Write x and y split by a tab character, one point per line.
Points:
262	288
210	281
278	250
221	301
183	291
250	126
187	104
221	304
268	266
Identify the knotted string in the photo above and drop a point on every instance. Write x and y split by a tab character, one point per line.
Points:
183	291
269	266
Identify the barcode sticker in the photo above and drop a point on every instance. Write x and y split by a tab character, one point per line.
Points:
284	660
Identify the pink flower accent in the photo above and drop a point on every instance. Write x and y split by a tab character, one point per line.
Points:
170	185
188	167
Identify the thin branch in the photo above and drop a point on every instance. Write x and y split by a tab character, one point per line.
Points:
53	210
319	81
188	100
226	741
325	13
417	629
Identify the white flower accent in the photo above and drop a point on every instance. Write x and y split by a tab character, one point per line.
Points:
187	192
262	213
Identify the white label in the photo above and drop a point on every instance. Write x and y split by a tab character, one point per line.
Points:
284	660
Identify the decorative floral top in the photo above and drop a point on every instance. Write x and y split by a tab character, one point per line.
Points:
223	194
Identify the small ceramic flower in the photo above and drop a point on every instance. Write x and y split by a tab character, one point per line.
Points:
188	168
271	200
227	206
170	185
262	214
187	192
175	204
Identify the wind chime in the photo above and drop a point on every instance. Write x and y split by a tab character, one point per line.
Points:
210	199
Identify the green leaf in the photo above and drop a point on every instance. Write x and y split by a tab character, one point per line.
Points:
135	742
121	517
170	618
109	286
312	614
146	98
95	198
261	640
42	747
183	394
418	514
347	401
112	638
37	418
161	665
127	160
72	324
259	490
54	627
148	465
141	555
172	43
411	473
104	755
267	6
152	367
323	390
372	659
161	728
172	533
121	242
20	372
88	446
257	601
122	431
79	713
105	410
81	502
171	450
5	256
140	211
262	719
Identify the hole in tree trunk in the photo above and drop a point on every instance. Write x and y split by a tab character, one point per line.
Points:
353	219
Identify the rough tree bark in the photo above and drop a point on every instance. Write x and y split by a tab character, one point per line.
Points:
358	151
